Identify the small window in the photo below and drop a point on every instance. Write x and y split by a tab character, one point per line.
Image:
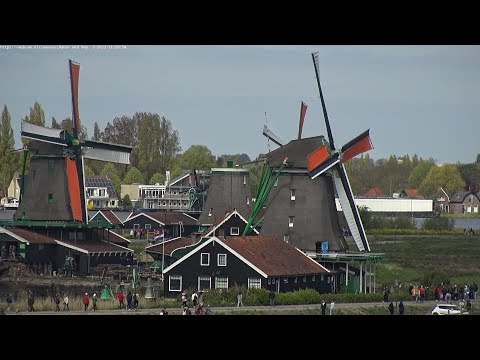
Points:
136	227
254	283
244	179
328	280
286	238
304	279
221	283
222	259
148	226
295	280
322	278
205	259
50	198
285	280
248	200
210	212
269	281
290	221
292	194
175	283
234	231
313	277
204	283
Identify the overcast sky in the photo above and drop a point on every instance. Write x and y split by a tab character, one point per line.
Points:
415	99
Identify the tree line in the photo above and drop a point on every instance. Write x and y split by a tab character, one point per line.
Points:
156	149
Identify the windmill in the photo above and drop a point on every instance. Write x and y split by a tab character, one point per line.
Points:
326	157
55	186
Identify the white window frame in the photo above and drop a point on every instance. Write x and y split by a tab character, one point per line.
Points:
216	282
248	200
204	278
322	278
291	220
292	194
244	179
304	279
285	280
313	277
218	259
136	226
286	238
237	232
201	259
148	226
176	277
295	280
210	212
254	283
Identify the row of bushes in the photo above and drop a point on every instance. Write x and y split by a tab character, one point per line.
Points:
412	232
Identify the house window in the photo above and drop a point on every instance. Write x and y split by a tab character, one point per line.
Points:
175	283
244	179
322	278
204	283
290	221
285	280
136	227
205	259
254	283
328	280
248	200
295	279
148	226
269	281
286	238
222	259
234	231
292	194
50	198
304	279
210	212
221	283
313	277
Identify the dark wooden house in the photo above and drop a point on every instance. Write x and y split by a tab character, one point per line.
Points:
174	224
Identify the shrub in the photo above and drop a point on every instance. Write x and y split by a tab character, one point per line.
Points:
438	223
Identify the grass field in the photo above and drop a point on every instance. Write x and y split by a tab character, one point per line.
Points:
413	259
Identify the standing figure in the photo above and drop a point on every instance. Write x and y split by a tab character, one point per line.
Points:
65	303
239	299
121	299
194	299
135	301
30	301
391	308
332	308
324	307
57	302
94	302
9	301
86	301
129	300
271	297
401	308
184	298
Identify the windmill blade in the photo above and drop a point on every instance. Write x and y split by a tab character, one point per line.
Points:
320	161
349	208
40	133
303	111
74	79
325	115
269	134
97	150
356	146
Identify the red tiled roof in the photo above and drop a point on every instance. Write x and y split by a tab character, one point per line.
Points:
170	245
93	246
374	192
273	256
111	217
31	237
169	218
411	193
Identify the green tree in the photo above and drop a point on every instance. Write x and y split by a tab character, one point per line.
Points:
111	173
157	178
97	134
148	150
67	124
446	176
420	172
88	171
37	115
126	201
133	176
8	158
197	157
55	124
124	130
169	144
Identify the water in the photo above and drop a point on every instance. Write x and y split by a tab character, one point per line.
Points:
458	223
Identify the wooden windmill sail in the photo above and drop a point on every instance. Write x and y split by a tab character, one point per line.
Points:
326	157
55	186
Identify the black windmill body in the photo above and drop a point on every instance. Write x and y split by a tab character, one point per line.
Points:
301	206
55	186
229	190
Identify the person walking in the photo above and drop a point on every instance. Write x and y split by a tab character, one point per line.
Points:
324	307
332	308
94	302
135	302
129	300
9	302
271	297
30	301
391	308
86	301
239	299
57	302
401	308
194	299
121	299
65	303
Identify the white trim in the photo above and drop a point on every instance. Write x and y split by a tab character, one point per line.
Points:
179	179
235	212
316	263
128	217
218	259
169	287
120	236
201	258
220	277
320	173
73	247
15	236
198	282
164	242
191	217
144	214
212	239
